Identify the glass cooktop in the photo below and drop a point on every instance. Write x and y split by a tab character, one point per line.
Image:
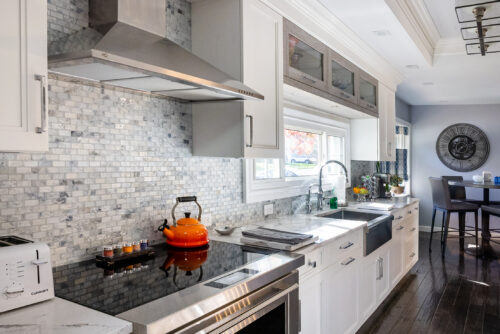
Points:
121	288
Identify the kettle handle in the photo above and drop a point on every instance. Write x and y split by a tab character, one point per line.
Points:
184	200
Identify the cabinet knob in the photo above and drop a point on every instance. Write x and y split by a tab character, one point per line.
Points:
412	254
312	264
413	229
399	218
400	228
409	212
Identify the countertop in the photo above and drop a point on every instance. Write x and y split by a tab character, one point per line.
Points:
326	229
58	316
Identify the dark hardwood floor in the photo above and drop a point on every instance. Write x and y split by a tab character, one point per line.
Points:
457	294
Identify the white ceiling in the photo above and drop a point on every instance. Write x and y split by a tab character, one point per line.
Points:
456	78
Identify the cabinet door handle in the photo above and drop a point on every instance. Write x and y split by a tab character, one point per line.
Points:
399	218
412	254
251	130
400	228
380	268
300	315
312	264
413	229
309	79
347	261
409	212
416	209
346	245
43	103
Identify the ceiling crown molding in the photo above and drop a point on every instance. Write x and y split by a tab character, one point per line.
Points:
417	21
450	46
318	21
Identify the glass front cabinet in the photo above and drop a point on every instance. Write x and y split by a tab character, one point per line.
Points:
368	91
343	78
305	57
312	66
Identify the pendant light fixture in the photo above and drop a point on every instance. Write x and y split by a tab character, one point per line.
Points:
478	12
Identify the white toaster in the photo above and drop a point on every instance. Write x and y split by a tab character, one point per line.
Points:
25	273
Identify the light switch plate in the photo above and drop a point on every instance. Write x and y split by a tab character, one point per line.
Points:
268	209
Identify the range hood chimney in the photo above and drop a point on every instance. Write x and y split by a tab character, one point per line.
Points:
125	46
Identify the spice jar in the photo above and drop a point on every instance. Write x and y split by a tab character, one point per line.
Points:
117	250
127	248
136	246
144	244
107	251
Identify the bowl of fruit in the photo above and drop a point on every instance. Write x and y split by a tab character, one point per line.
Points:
361	193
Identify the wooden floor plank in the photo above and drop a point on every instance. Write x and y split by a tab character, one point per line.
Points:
455	294
475	312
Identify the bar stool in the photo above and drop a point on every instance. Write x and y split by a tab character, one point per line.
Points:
442	201
458	193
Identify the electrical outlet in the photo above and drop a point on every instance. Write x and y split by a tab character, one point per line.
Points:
268	209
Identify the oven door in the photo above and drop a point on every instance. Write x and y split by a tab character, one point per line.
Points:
272	309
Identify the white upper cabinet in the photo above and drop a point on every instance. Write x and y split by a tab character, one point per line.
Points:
244	39
23	114
372	139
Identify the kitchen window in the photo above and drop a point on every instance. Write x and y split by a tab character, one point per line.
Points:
311	139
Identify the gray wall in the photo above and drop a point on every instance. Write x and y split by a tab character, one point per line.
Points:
403	110
427	124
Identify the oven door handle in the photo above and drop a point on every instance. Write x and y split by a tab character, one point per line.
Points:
247	318
235	313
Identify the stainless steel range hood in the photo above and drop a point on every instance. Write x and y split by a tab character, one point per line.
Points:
125	46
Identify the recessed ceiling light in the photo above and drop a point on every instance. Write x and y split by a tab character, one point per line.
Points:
412	67
428	83
381	32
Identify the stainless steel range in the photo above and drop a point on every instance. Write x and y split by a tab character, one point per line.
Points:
222	288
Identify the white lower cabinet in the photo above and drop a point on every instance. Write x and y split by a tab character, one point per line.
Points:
340	288
341	296
310	304
374	282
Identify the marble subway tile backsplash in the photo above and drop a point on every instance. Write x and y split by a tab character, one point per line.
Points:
117	160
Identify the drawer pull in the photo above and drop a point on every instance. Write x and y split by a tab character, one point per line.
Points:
413	229
312	264
346	245
347	261
412	254
400	228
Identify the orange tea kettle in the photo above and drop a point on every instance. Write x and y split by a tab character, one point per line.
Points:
186	232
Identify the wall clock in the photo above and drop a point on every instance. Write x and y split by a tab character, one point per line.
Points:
463	147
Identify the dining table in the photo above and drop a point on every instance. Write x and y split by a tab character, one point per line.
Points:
485	249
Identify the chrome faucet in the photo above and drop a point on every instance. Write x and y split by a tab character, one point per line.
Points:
308	200
320	187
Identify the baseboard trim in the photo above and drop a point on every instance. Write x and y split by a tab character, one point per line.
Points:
424	228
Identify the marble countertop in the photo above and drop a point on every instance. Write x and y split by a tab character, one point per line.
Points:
58	316
326	229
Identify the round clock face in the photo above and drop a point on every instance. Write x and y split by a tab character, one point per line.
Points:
463	147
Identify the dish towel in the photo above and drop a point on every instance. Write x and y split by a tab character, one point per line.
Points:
268	234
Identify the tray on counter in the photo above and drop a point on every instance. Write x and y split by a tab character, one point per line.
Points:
125	259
